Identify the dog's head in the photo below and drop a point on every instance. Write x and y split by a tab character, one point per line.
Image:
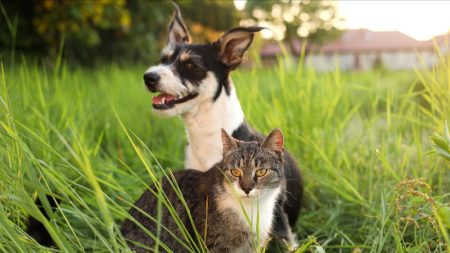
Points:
189	74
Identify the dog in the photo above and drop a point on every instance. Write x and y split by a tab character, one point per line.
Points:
193	81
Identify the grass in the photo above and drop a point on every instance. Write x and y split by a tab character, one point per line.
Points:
373	182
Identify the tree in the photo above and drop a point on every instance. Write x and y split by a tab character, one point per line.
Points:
114	30
79	23
206	23
315	20
135	30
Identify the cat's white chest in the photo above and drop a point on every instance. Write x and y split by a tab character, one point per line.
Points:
261	214
256	213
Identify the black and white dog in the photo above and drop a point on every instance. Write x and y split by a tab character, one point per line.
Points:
193	81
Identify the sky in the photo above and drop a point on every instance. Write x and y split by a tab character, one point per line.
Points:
419	19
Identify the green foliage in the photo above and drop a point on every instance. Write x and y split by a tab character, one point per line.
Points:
442	143
97	31
94	32
43	25
89	138
79	20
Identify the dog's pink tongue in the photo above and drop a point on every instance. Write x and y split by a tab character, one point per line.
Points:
162	98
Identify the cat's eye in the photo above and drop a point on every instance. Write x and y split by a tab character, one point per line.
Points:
235	172
261	172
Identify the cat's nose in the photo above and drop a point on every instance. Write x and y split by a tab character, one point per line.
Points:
247	189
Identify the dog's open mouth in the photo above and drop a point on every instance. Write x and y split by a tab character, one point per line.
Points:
165	101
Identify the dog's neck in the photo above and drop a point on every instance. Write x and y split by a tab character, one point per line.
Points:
203	125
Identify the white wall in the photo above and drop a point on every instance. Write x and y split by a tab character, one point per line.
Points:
392	60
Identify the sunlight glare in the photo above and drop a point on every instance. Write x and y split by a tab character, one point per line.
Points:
419	19
240	4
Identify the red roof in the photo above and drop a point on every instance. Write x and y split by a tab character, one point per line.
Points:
366	40
442	39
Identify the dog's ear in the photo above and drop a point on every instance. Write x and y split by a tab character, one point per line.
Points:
233	44
178	33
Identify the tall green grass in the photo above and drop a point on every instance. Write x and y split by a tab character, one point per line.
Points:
88	137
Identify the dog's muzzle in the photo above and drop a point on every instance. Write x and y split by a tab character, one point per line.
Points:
163	101
166	101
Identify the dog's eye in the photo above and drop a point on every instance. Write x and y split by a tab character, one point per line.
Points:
189	65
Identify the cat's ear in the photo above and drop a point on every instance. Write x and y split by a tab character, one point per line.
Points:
233	44
178	33
228	142
275	141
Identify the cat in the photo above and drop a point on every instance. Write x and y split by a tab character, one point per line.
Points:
231	206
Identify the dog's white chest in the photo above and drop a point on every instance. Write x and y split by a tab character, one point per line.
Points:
202	157
203	130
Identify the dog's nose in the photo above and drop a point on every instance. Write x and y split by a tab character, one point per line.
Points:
150	80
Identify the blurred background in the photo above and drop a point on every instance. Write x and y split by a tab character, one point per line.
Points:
359	35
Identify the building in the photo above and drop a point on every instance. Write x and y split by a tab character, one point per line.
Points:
363	49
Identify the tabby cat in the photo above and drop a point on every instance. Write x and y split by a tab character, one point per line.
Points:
231	206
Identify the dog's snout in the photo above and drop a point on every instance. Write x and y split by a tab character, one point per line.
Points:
151	80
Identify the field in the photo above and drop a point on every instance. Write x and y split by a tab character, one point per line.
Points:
373	179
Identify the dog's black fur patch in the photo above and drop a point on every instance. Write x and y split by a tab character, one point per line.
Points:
207	58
